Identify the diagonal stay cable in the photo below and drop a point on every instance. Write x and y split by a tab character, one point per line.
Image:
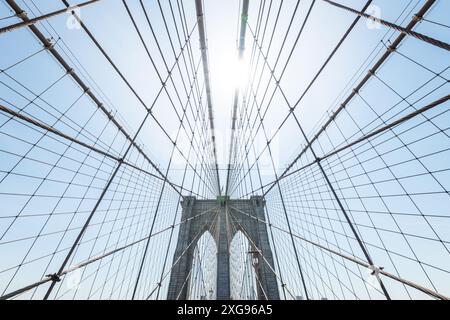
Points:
357	261
414	34
47	44
425	8
46	127
163	81
358	88
97	258
29	22
365	137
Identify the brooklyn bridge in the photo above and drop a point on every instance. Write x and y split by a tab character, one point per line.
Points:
224	150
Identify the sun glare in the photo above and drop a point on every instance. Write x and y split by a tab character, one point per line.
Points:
231	73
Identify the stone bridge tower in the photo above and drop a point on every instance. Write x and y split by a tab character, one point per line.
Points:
203	215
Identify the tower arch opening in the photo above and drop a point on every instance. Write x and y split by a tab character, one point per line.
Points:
243	278
202	276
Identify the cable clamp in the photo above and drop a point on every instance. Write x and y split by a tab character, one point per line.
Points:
416	18
22	14
392	48
54	277
376	270
49	45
